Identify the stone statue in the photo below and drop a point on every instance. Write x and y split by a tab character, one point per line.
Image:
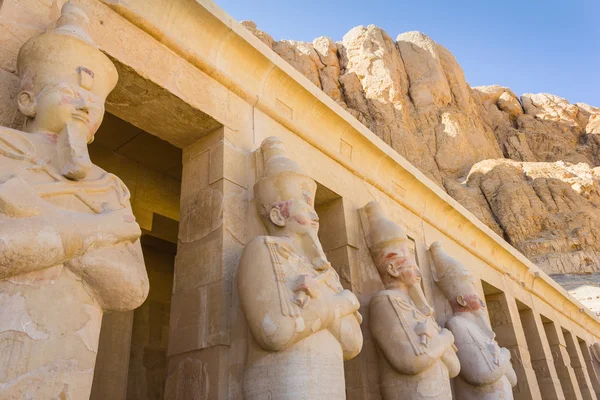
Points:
303	323
417	356
69	245
486	372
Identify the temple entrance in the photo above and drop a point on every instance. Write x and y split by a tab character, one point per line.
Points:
132	353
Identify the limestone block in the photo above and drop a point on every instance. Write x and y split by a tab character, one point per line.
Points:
35	14
12	37
9	113
188	381
198	318
199	263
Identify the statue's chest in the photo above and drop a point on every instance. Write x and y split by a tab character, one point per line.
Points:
409	312
100	192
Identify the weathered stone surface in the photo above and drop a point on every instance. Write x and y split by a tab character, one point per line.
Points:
418	357
413	94
485	369
188	381
263	36
69	245
303	324
549	211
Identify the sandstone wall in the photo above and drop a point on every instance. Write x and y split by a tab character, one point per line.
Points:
527	167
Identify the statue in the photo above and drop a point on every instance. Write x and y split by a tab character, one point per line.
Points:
69	245
302	322
417	356
486	371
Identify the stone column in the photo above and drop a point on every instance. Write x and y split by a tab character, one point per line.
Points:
562	361
589	362
579	367
112	364
339	235
211	239
506	323
49	328
541	356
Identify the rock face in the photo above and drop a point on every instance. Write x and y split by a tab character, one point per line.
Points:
527	167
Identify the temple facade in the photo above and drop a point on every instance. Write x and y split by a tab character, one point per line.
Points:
183	215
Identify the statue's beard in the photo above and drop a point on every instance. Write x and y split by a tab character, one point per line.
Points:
313	250
481	321
418	297
73	156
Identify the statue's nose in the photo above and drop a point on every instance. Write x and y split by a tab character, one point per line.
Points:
83	105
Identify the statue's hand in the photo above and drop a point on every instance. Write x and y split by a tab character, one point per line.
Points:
18	199
347	303
112	227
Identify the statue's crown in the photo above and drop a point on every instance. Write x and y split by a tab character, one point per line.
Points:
282	179
383	231
451	276
66	54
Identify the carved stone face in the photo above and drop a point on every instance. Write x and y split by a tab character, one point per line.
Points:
400	264
56	105
69	114
469	302
296	216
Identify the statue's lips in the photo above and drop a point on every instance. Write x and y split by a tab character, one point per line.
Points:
81	116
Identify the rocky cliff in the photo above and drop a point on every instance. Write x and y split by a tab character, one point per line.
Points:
528	167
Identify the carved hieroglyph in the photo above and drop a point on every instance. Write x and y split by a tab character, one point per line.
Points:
69	245
486	372
417	356
303	323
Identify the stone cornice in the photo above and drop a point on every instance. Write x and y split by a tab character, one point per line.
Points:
203	34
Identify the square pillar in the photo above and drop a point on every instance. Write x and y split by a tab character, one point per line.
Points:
541	356
579	367
339	231
562	361
212	235
589	362
506	323
112	364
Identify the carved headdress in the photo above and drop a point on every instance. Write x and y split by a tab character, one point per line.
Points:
66	53
451	276
282	180
384	234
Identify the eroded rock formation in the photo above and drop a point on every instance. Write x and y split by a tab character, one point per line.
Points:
527	167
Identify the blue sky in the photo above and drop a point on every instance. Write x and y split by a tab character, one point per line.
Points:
530	46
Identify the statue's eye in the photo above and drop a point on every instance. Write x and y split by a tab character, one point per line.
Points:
68	91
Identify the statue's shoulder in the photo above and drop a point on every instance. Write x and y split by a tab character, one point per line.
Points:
385	294
256	247
382	297
268	243
458	323
257	241
15	144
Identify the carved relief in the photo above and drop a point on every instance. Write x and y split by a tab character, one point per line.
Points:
303	323
418	357
69	244
486	370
